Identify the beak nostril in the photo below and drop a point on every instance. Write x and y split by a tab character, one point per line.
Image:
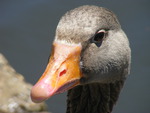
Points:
62	72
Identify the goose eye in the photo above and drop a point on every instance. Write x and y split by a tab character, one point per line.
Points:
99	36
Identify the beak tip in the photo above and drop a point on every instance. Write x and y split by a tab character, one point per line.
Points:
40	93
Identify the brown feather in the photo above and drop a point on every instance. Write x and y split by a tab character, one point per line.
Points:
93	98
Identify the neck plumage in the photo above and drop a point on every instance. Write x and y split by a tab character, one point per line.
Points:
93	98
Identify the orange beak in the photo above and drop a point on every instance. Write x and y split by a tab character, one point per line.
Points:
62	72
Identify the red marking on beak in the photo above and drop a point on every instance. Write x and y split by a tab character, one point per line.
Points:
63	72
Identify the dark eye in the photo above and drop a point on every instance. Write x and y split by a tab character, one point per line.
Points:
98	37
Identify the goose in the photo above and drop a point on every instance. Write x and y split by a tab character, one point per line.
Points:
90	58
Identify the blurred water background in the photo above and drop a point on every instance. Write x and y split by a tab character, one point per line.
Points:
27	29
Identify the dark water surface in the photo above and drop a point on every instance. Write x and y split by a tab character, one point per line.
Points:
27	29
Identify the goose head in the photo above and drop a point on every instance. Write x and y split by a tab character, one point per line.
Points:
89	47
